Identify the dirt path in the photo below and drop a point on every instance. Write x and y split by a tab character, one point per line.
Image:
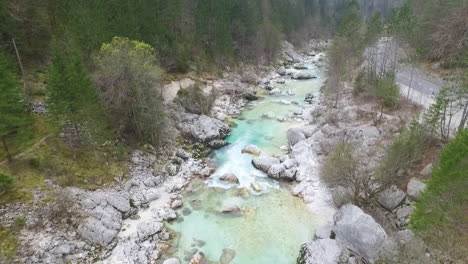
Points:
33	147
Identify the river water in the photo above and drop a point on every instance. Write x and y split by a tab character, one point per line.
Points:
273	223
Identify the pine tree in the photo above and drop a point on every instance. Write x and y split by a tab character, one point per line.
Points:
71	95
13	115
70	91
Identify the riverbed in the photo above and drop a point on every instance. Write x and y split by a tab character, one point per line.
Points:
272	223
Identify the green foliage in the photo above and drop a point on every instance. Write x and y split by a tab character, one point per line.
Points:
9	245
351	27
387	90
374	29
19	222
69	90
435	29
129	80
405	150
14	119
440	216
6	183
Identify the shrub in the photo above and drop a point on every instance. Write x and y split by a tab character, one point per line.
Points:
387	90
403	153
343	171
6	183
130	83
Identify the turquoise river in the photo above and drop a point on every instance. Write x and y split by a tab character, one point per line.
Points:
273	223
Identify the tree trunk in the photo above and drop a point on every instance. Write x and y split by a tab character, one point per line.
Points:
5	146
464	117
410	83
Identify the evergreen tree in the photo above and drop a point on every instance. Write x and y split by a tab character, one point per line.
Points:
14	118
71	94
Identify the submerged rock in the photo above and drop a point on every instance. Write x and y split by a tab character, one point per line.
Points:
231	209
229	177
197	258
359	231
227	256
255	187
415	188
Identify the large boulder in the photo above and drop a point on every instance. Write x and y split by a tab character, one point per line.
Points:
104	219
391	197
295	135
323	251
205	129
264	163
359	231
415	188
251	149
229	177
303	76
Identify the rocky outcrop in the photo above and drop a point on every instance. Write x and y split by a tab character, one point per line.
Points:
415	188
353	233
205	129
359	231
391	197
105	217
